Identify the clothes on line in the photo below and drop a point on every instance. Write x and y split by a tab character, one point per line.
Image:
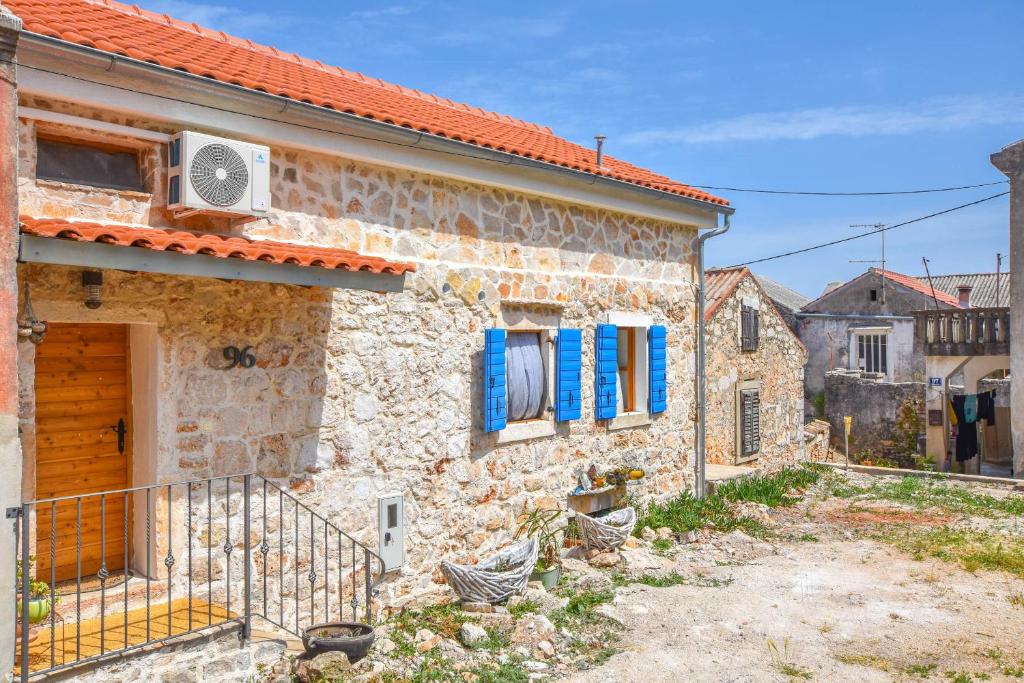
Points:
966	411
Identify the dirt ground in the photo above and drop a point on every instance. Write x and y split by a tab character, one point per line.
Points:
823	601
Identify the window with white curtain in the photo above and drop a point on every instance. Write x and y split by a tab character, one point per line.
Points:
625	388
526	378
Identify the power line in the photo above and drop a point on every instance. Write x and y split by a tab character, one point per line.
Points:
847	194
868	234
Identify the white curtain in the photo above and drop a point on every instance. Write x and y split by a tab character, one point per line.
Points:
525	379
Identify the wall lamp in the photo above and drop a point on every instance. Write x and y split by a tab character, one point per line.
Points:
92	280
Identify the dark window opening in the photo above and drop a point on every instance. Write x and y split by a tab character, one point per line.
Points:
750	328
872	353
82	164
873	295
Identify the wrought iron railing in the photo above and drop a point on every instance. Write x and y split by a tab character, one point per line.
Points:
964	332
131	585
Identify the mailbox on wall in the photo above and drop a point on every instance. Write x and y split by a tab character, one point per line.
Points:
391	527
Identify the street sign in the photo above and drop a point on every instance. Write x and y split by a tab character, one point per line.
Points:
848	423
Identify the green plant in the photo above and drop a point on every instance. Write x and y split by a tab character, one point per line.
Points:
538	523
922	670
818	401
909	425
521	609
581	608
1017	599
782	660
661	545
971	549
37	590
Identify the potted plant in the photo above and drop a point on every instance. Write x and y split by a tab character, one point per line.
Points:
538	523
39	595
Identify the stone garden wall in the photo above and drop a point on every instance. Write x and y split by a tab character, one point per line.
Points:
777	365
875	406
356	394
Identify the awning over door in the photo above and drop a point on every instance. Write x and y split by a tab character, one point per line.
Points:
181	252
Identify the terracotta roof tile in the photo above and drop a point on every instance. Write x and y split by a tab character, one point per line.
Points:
221	246
719	284
158	39
917	286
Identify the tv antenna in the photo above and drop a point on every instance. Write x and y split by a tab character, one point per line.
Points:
880	227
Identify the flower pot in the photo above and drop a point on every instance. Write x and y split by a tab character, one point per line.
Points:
548	577
38	609
354	639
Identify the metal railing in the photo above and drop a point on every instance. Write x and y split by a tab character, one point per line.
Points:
963	332
199	539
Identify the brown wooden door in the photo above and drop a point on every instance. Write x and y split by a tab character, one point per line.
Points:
82	392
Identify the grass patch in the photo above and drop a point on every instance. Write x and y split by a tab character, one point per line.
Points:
1014	671
921	493
971	549
870	661
921	670
522	608
446	620
686	513
673	579
581	608
782	660
435	668
661	545
808	538
1017	600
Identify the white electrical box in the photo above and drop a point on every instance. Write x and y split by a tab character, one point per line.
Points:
212	175
391	527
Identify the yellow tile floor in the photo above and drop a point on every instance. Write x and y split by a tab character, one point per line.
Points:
116	632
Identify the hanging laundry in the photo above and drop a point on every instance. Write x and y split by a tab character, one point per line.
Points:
952	413
987	407
971	408
967	434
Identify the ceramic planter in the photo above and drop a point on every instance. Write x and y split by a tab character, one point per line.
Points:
38	609
548	577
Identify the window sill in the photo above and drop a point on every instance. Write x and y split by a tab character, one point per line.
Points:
627	420
740	460
79	187
530	429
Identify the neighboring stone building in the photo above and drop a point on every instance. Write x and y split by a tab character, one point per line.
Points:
755	366
334	347
867	324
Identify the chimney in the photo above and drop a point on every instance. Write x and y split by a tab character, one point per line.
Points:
600	149
964	294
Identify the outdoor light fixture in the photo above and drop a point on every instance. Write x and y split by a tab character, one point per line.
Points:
92	280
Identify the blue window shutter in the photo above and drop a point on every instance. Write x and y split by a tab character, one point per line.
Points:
606	362
568	362
657	359
494	380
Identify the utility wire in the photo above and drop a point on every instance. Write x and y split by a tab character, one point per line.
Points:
848	194
510	158
868	234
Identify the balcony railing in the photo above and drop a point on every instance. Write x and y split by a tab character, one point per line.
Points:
964	332
139	566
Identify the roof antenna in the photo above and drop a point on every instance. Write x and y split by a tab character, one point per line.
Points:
600	148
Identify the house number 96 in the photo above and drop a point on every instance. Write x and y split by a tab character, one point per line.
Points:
240	358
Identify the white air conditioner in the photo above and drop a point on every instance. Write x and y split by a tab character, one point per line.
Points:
212	175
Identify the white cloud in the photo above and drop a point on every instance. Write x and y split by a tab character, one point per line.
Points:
392	11
219	17
932	116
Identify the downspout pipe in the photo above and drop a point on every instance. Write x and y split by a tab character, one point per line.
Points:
700	479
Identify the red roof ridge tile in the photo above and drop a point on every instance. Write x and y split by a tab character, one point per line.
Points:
313	63
917	285
210	244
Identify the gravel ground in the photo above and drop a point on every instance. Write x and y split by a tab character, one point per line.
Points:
825	603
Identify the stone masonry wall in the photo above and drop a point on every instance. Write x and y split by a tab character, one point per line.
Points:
356	394
777	365
874	406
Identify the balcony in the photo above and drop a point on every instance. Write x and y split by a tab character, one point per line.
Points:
963	332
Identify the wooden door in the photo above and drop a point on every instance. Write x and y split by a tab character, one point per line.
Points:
83	392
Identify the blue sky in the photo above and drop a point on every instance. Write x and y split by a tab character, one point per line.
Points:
779	95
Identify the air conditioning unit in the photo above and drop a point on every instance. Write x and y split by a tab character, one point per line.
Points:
211	175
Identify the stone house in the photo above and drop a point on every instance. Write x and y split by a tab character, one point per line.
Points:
755	366
440	314
867	325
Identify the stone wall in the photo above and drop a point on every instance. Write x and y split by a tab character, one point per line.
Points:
874	406
357	394
777	365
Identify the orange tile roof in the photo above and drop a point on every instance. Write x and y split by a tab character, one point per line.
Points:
719	284
222	246
157	38
917	286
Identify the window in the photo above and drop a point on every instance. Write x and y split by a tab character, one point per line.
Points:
873	295
749	328
83	164
526	377
748	421
872	353
625	389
